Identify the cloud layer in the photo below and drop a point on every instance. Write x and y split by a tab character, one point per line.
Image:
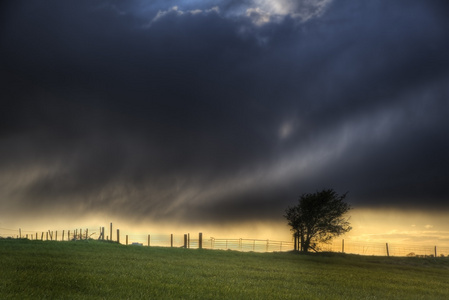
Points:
222	110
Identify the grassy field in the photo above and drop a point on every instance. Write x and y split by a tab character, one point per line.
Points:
101	270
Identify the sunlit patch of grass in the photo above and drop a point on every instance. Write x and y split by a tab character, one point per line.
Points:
99	270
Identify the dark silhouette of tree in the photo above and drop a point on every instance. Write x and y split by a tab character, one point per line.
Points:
318	218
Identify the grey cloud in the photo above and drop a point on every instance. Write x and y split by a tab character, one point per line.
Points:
186	117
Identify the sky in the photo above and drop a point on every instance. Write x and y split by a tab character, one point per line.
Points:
214	112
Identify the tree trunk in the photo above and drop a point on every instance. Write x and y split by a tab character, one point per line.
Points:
295	239
302	243
306	245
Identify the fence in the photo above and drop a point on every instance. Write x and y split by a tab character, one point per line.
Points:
385	249
197	241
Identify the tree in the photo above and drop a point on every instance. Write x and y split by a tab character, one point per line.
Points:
318	218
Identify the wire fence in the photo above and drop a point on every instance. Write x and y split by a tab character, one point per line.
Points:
237	244
386	249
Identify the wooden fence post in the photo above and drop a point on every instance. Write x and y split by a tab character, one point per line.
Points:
68	235
46	235
435	251
185	241
343	246
171	240
87	232
188	240
126	240
36	235
200	241
56	235
148	240
81	233
63	235
388	251
110	231
42	236
118	236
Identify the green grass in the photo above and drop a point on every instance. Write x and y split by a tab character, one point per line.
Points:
101	270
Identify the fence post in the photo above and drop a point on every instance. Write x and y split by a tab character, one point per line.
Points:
171	240
200	241
435	251
36	235
185	241
20	233
118	236
343	246
87	232
148	240
42	236
110	231
126	240
68	235
46	236
56	235
63	235
188	240
388	252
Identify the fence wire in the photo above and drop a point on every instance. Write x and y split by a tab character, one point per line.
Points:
236	244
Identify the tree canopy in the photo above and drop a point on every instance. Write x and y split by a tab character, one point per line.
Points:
318	218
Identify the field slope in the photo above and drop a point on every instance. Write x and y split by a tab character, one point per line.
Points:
101	270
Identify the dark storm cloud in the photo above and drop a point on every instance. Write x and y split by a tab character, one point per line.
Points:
223	109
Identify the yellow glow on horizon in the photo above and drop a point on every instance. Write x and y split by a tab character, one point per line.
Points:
407	227
400	226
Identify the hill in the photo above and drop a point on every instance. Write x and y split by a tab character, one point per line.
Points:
104	270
